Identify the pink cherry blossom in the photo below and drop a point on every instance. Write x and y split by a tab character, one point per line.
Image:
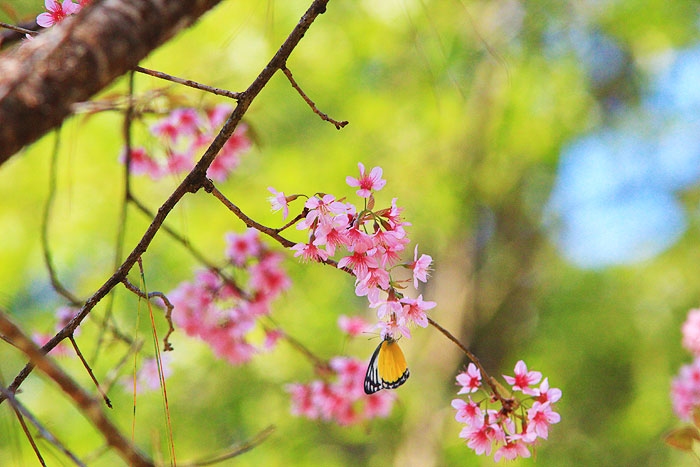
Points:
353	326
309	252
141	162
376	280
511	451
414	310
505	429
470	380
222	313
359	262
183	135
229	157
421	267
267	276
241	247
341	398
147	377
367	183
540	417
393	329
546	394
468	412
691	332
56	12
481	439
272	337
523	379
685	390
278	202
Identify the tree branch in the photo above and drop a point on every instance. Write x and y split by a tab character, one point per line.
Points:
89	406
70	62
195	180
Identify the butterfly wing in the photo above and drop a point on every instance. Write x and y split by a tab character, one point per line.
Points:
391	365
372	381
387	368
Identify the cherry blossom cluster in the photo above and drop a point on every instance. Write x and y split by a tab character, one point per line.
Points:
510	431
182	136
57	12
339	397
372	241
222	312
685	387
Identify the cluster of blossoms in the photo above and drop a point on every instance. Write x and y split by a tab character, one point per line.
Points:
511	431
339	397
685	388
183	135
374	240
223	313
57	12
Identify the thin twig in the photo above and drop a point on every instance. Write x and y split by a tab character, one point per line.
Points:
48	260
89	406
14	403
167	346
22	412
121	229
159	362
235	450
493	384
17	28
288	74
190	83
89	370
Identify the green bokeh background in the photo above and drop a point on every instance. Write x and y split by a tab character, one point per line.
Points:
462	107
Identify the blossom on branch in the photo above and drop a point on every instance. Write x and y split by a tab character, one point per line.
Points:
513	428
223	312
181	138
57	12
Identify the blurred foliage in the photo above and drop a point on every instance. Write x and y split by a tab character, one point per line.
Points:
466	105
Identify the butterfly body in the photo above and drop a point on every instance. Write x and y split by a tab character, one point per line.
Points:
387	368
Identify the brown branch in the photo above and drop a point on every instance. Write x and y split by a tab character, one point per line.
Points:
189	83
506	402
89	406
338	125
192	250
89	370
273	233
73	60
195	180
17	29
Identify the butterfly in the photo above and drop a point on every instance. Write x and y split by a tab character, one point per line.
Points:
387	368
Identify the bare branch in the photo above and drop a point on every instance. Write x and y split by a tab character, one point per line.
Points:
307	99
235	450
167	346
48	261
188	82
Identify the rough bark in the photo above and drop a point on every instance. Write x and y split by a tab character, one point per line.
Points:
70	62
